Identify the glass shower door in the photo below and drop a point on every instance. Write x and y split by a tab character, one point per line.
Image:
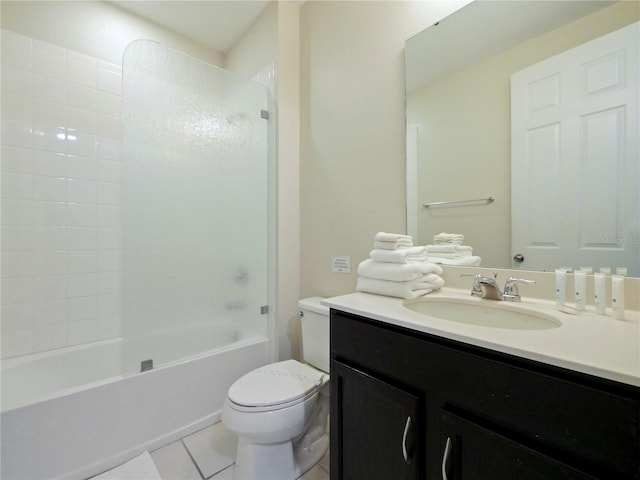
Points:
195	207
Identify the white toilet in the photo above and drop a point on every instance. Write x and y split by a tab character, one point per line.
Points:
280	411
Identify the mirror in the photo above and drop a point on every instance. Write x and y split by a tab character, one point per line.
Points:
459	116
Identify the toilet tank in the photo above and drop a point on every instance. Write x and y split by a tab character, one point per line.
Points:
314	318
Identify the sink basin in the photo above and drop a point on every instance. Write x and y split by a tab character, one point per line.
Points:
485	313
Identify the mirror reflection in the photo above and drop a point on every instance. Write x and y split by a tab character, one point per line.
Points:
555	204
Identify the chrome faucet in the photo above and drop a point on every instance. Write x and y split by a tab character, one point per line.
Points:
487	287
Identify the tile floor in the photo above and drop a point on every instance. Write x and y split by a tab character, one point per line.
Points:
209	455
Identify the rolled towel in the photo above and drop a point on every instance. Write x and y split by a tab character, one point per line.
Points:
468	261
397	272
406	290
399	255
392	237
448	248
455	238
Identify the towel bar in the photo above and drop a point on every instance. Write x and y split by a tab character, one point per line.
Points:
454	202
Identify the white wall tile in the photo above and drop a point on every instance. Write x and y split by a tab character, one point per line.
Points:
18	264
16	80
82	308
17	316
109	216
18	160
81	191
49	138
109	79
82	261
108	104
48	237
17	212
17	107
109	193
81	119
49	89
49	287
17	50
82	238
18	342
16	133
82	214
81	143
82	168
81	97
17	290
17	186
49	213
82	285
49	337
51	164
49	312
49	60
49	113
81	71
52	262
61	154
53	189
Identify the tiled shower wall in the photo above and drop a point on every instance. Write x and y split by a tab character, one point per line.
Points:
61	197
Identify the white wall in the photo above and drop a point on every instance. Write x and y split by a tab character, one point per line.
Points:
353	130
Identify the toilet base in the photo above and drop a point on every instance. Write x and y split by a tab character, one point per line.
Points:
280	461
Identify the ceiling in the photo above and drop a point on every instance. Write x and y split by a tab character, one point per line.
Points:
218	24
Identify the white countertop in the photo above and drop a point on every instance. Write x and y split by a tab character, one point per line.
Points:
585	342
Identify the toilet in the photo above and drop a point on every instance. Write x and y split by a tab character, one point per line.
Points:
279	411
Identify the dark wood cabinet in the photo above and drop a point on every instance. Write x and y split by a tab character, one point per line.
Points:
400	393
378	423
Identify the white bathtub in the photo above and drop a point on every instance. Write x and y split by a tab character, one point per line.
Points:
40	376
76	432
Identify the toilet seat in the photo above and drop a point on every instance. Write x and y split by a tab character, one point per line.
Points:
275	386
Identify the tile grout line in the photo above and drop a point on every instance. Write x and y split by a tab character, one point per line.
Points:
193	460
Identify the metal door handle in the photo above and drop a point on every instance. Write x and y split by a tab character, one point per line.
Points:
405	453
445	457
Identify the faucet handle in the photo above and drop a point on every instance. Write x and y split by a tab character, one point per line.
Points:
511	293
476	290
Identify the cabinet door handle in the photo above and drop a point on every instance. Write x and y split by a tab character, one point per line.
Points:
405	452
445	459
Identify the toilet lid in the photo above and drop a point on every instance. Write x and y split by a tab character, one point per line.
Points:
276	384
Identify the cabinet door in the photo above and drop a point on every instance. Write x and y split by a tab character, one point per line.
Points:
471	452
375	431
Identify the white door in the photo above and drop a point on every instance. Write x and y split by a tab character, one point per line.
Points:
575	156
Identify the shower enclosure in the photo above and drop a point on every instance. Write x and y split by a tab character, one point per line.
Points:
196	207
149	244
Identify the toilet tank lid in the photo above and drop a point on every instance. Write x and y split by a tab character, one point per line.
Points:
314	304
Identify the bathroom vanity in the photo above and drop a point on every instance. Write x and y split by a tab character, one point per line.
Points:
416	397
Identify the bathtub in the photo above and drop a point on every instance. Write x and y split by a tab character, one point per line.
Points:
74	432
40	376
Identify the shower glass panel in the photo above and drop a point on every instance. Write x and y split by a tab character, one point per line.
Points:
195	207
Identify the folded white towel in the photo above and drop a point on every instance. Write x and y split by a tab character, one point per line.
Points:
448	248
456	238
468	261
392	245
399	255
397	272
406	290
392	237
449	255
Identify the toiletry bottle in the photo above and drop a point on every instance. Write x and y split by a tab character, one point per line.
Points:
580	281
617	293
600	292
561	285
